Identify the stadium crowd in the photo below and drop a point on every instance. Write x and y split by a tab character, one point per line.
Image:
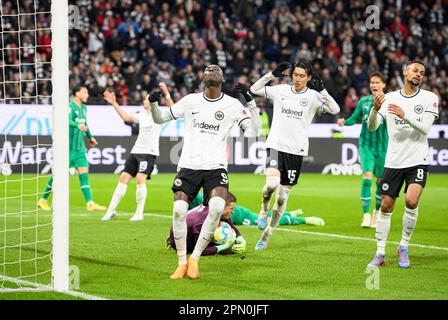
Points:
131	45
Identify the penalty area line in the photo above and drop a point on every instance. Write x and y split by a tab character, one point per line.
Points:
35	287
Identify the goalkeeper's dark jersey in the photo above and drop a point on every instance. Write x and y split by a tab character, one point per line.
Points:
376	140
78	115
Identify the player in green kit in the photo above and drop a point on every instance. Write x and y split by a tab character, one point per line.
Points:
244	216
78	158
372	150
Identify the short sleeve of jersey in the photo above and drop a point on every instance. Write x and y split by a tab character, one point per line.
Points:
177	110
433	105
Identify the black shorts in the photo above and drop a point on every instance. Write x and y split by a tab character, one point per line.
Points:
393	179
288	164
140	163
191	181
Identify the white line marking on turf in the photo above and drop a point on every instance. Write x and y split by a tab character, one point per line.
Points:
332	235
38	287
324	234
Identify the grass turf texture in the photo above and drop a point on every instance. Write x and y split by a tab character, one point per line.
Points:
120	259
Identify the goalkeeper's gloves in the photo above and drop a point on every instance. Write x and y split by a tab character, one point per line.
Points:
244	90
278	72
240	245
154	96
316	83
228	244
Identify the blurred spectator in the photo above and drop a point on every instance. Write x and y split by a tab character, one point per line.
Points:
351	100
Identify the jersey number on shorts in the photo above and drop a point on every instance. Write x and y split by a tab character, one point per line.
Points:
143	166
292	175
224	180
420	174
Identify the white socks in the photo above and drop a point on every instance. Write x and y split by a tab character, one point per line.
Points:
277	211
409	221
180	208
268	189
382	231
140	196
215	208
119	193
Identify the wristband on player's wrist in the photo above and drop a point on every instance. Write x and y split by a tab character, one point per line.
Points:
168	96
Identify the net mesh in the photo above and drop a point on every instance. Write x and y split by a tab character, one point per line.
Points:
25	142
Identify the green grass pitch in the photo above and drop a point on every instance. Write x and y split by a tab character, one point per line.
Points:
120	259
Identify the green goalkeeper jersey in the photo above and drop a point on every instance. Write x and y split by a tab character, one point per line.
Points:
376	140
78	115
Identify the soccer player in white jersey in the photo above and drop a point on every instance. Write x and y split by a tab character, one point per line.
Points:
409	114
209	117
294	108
140	162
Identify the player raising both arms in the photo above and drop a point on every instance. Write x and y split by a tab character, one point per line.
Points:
294	108
372	150
142	158
409	114
209	117
78	158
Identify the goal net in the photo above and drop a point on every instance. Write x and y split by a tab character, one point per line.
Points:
33	144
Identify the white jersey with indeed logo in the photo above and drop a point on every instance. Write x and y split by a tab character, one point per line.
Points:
293	113
149	134
408	147
207	126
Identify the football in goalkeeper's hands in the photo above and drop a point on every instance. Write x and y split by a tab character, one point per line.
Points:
223	232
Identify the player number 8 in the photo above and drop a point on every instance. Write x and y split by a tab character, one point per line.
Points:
420	174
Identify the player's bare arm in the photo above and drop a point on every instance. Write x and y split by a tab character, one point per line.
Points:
83	127
93	142
111	99
166	93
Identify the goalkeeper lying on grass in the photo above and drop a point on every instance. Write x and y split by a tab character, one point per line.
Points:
233	214
242	215
196	217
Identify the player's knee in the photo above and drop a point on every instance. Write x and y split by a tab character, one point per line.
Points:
411	203
180	208
125	178
272	182
387	208
216	206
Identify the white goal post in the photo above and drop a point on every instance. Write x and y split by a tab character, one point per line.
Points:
60	98
34	243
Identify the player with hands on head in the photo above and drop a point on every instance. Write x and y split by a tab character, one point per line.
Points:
294	108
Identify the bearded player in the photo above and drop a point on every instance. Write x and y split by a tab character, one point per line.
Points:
409	114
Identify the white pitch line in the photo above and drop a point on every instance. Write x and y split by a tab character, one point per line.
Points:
38	287
324	234
332	235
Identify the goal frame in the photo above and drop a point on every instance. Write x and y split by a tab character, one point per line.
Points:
60	102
